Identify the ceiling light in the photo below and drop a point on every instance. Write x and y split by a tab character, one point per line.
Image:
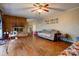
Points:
39	10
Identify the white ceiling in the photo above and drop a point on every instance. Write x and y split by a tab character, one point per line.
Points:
17	9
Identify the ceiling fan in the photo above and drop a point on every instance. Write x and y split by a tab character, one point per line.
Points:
40	7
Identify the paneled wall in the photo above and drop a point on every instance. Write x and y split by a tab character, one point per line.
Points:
10	21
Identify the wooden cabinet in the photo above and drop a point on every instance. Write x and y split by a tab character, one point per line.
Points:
11	21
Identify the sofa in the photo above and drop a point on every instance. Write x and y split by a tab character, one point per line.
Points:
47	34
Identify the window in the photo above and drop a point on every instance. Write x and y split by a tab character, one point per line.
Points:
0	27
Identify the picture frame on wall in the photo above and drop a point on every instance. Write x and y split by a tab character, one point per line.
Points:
52	21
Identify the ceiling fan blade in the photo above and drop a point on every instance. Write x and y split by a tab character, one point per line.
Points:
46	5
34	10
36	4
45	10
58	9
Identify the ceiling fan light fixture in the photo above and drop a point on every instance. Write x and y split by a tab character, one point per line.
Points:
40	7
39	10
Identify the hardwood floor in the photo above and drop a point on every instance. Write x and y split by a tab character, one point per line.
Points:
35	46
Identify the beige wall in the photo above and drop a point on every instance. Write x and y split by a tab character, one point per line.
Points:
68	22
